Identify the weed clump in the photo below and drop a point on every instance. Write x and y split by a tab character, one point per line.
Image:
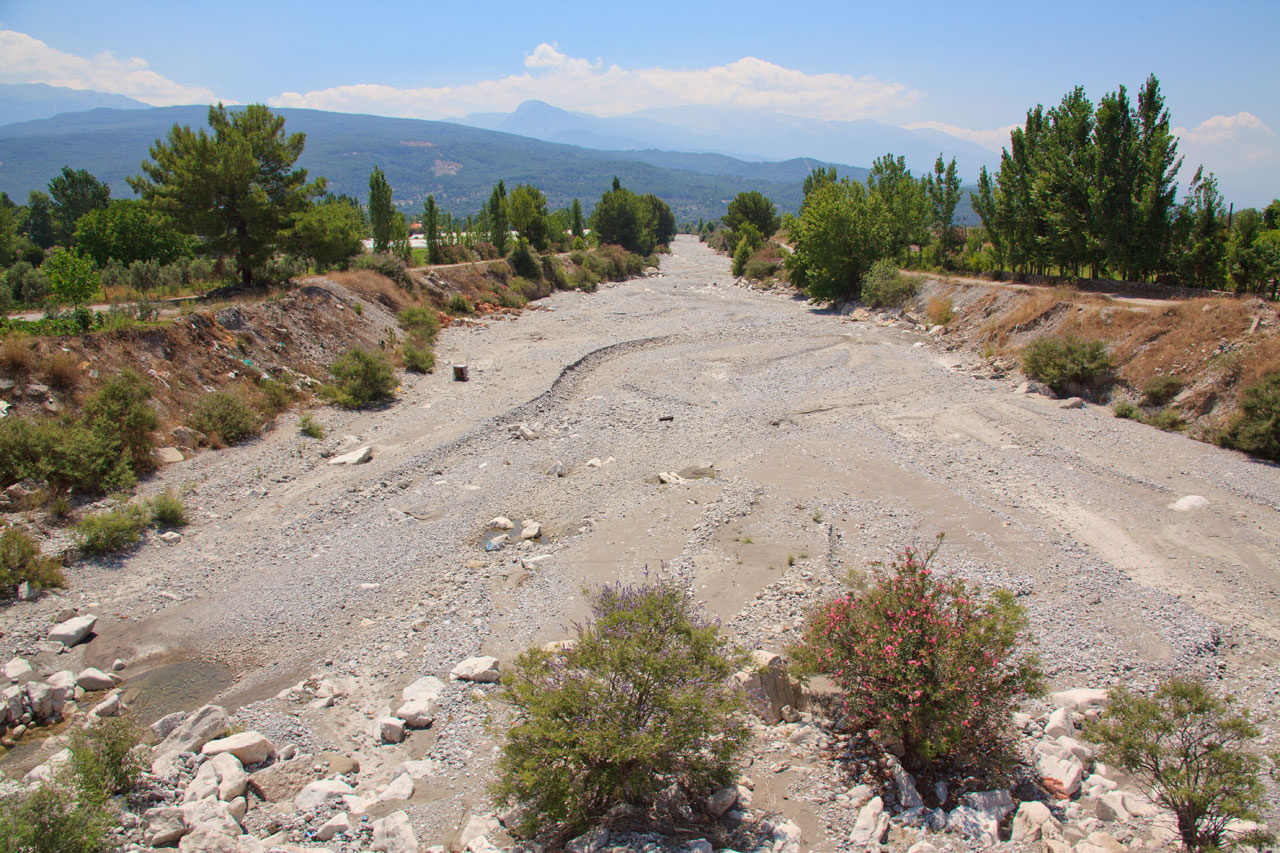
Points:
309	426
361	378
940	311
105	757
225	418
1159	390
1059	361
168	510
640	701
885	287
110	532
22	562
1256	429
459	304
920	660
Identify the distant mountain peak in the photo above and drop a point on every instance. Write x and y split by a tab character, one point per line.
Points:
31	101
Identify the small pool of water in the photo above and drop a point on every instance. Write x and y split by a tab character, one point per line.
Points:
178	686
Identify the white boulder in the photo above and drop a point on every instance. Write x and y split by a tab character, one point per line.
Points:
73	630
482	669
249	747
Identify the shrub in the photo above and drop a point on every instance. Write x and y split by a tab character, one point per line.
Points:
62	371
69	456
420	320
740	257
309	426
524	261
167	510
1256	429
920	660
1058	361
418	359
225	418
105	757
21	561
119	412
1161	389
110	532
1128	411
52	820
389	265
362	378
640	701
885	287
1169	420
1187	746
940	311
760	269
459	304
17	355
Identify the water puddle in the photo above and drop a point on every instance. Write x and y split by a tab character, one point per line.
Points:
177	686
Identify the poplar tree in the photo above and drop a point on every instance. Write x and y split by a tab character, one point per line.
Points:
943	191
498	231
575	219
381	214
431	230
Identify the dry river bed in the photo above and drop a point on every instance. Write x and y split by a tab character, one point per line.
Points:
834	442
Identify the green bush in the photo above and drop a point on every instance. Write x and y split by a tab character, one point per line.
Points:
639	701
418	359
1188	747
225	418
21	561
52	820
110	532
103	451
459	304
385	264
1056	361
167	510
524	261
1161	389
420	320
885	287
921	660
1256	429
740	257
1128	411
362	377
106	758
760	269
1169	420
309	426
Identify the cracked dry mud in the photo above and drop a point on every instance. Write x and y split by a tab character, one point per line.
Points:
833	443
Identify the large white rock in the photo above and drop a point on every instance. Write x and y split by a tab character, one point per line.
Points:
418	714
356	457
421	769
249	747
427	687
974	824
94	679
501	523
589	841
767	687
1029	820
483	669
394	834
210	815
73	630
163	826
1189	503
200	727
232	780
1066	771
995	805
401	788
1080	699
721	801
318	791
908	796
339	824
391	729
108	707
868	822
1111	807
1059	724
50	769
16	668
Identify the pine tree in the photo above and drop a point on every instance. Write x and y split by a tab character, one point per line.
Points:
74	193
236	187
381	214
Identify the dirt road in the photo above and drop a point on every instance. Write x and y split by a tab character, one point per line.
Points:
833	442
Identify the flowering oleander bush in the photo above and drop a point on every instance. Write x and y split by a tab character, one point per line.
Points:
920	659
639	701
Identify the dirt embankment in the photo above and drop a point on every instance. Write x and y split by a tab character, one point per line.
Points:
1213	346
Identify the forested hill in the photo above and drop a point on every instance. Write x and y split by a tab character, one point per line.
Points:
456	163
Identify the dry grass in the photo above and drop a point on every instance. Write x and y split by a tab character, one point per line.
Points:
1027	313
62	371
940	311
374	287
17	355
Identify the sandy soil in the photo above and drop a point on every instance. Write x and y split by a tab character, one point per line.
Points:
833	442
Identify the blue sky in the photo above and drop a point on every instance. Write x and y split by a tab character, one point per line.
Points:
970	69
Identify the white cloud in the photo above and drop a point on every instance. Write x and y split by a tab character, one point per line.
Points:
1241	128
24	59
994	139
579	84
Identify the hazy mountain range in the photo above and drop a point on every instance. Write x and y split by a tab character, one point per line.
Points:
457	163
27	101
743	134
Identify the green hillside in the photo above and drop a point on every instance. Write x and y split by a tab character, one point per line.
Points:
458	164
